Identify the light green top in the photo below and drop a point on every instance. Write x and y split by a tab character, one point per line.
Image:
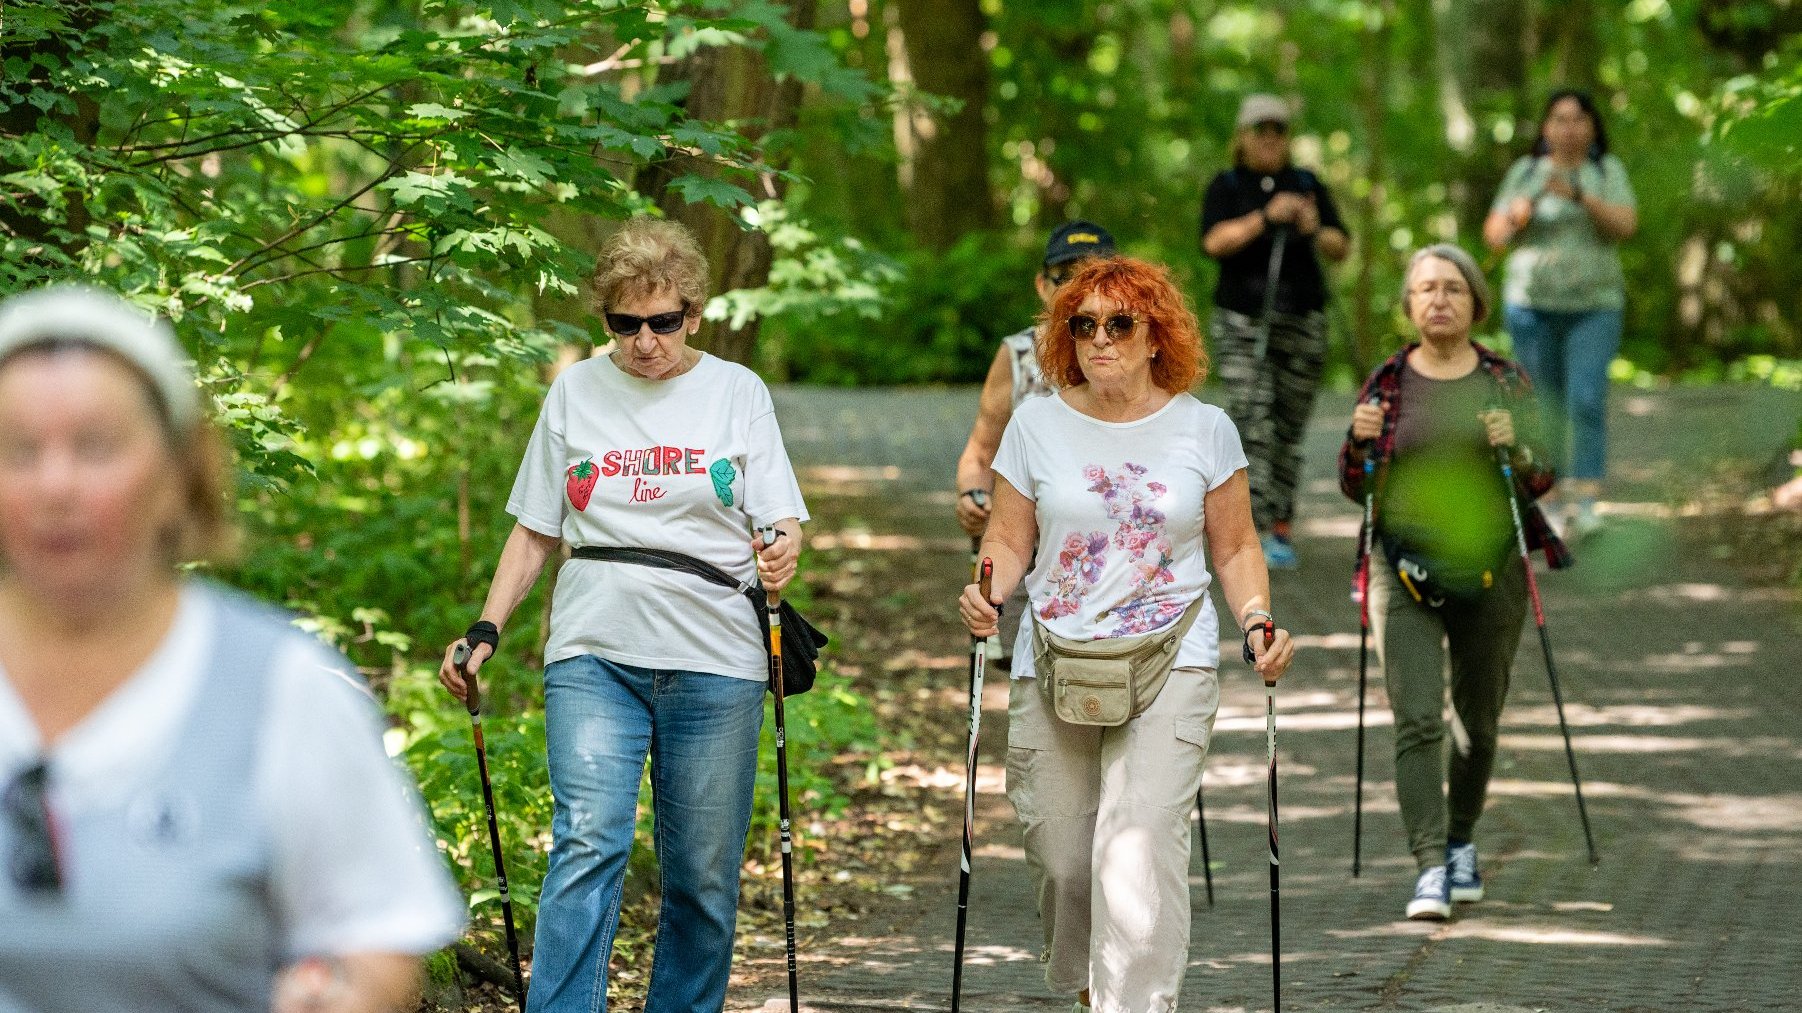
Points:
1561	260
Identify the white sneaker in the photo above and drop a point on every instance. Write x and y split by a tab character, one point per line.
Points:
1465	884
1432	902
1584	521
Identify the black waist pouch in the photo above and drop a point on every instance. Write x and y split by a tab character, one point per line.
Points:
1431	580
801	640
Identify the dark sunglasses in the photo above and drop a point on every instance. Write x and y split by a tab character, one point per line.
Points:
1058	276
1276	127
661	323
32	863
1119	327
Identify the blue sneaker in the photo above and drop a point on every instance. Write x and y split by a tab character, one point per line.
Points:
1431	903
1278	553
1461	871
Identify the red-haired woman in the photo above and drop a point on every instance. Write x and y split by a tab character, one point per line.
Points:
1119	480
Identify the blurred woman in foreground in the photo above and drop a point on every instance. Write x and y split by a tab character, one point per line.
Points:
195	809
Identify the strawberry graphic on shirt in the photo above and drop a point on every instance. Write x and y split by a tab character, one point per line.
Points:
580	483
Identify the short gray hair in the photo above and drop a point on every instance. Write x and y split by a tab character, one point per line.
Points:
1466	265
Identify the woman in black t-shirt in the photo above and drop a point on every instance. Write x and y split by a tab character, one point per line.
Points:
1271	366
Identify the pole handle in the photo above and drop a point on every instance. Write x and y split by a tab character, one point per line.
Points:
769	534
985	581
472	688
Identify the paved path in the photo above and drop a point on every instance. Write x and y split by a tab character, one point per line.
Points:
1681	688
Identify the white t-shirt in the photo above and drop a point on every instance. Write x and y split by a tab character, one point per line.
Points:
353	868
1120	515
685	464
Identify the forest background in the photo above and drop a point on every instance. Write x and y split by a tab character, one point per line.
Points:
372	221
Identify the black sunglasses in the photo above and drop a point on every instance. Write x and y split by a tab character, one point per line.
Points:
32	863
1275	127
1057	276
661	323
1119	327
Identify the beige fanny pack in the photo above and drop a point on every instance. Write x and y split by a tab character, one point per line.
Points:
1106	682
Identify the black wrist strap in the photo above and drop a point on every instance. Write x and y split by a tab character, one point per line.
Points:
1250	656
483	632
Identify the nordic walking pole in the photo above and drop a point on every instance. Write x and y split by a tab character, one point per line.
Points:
981	499
1207	864
978	646
769	536
1366	535
1261	344
472	699
1545	644
1262	382
1276	921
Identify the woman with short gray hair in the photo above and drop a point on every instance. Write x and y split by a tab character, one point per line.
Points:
1430	423
657	446
1468	270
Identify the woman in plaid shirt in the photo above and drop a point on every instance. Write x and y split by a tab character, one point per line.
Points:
1426	436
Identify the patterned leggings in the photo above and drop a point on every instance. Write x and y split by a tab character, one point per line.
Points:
1270	405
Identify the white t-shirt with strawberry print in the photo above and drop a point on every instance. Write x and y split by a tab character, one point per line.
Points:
686	464
1120	515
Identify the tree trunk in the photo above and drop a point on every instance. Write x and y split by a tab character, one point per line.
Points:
730	83
1577	43
34	222
1481	50
946	177
1373	107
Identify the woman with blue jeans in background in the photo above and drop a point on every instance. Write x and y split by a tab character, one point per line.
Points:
657	445
1564	209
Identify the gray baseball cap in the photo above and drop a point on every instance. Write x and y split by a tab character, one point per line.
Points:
1261	107
96	317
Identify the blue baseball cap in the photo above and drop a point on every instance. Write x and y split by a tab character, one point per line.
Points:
1076	240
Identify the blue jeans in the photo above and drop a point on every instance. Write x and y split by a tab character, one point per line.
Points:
1567	355
700	731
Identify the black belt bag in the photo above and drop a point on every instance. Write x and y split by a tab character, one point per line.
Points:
801	640
1431	581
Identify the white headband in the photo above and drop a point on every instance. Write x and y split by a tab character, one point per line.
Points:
99	318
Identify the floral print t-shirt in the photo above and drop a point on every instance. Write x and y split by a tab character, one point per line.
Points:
1119	508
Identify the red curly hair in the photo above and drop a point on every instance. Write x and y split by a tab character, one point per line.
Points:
1143	289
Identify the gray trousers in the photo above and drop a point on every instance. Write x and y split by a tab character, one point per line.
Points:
1106	812
1270	402
1417	644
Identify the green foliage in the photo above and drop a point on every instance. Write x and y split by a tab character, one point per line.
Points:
1122	112
815	280
367	218
1760	118
944	316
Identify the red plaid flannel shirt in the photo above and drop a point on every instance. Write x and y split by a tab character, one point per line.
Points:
1513	393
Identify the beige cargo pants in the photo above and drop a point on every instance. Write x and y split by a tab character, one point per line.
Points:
1106	812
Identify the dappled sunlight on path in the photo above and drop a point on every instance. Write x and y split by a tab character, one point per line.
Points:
1680	685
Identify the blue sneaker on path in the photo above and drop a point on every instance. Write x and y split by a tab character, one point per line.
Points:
1278	553
1431	902
1461	870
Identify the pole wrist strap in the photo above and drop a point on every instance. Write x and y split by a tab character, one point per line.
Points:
483	632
